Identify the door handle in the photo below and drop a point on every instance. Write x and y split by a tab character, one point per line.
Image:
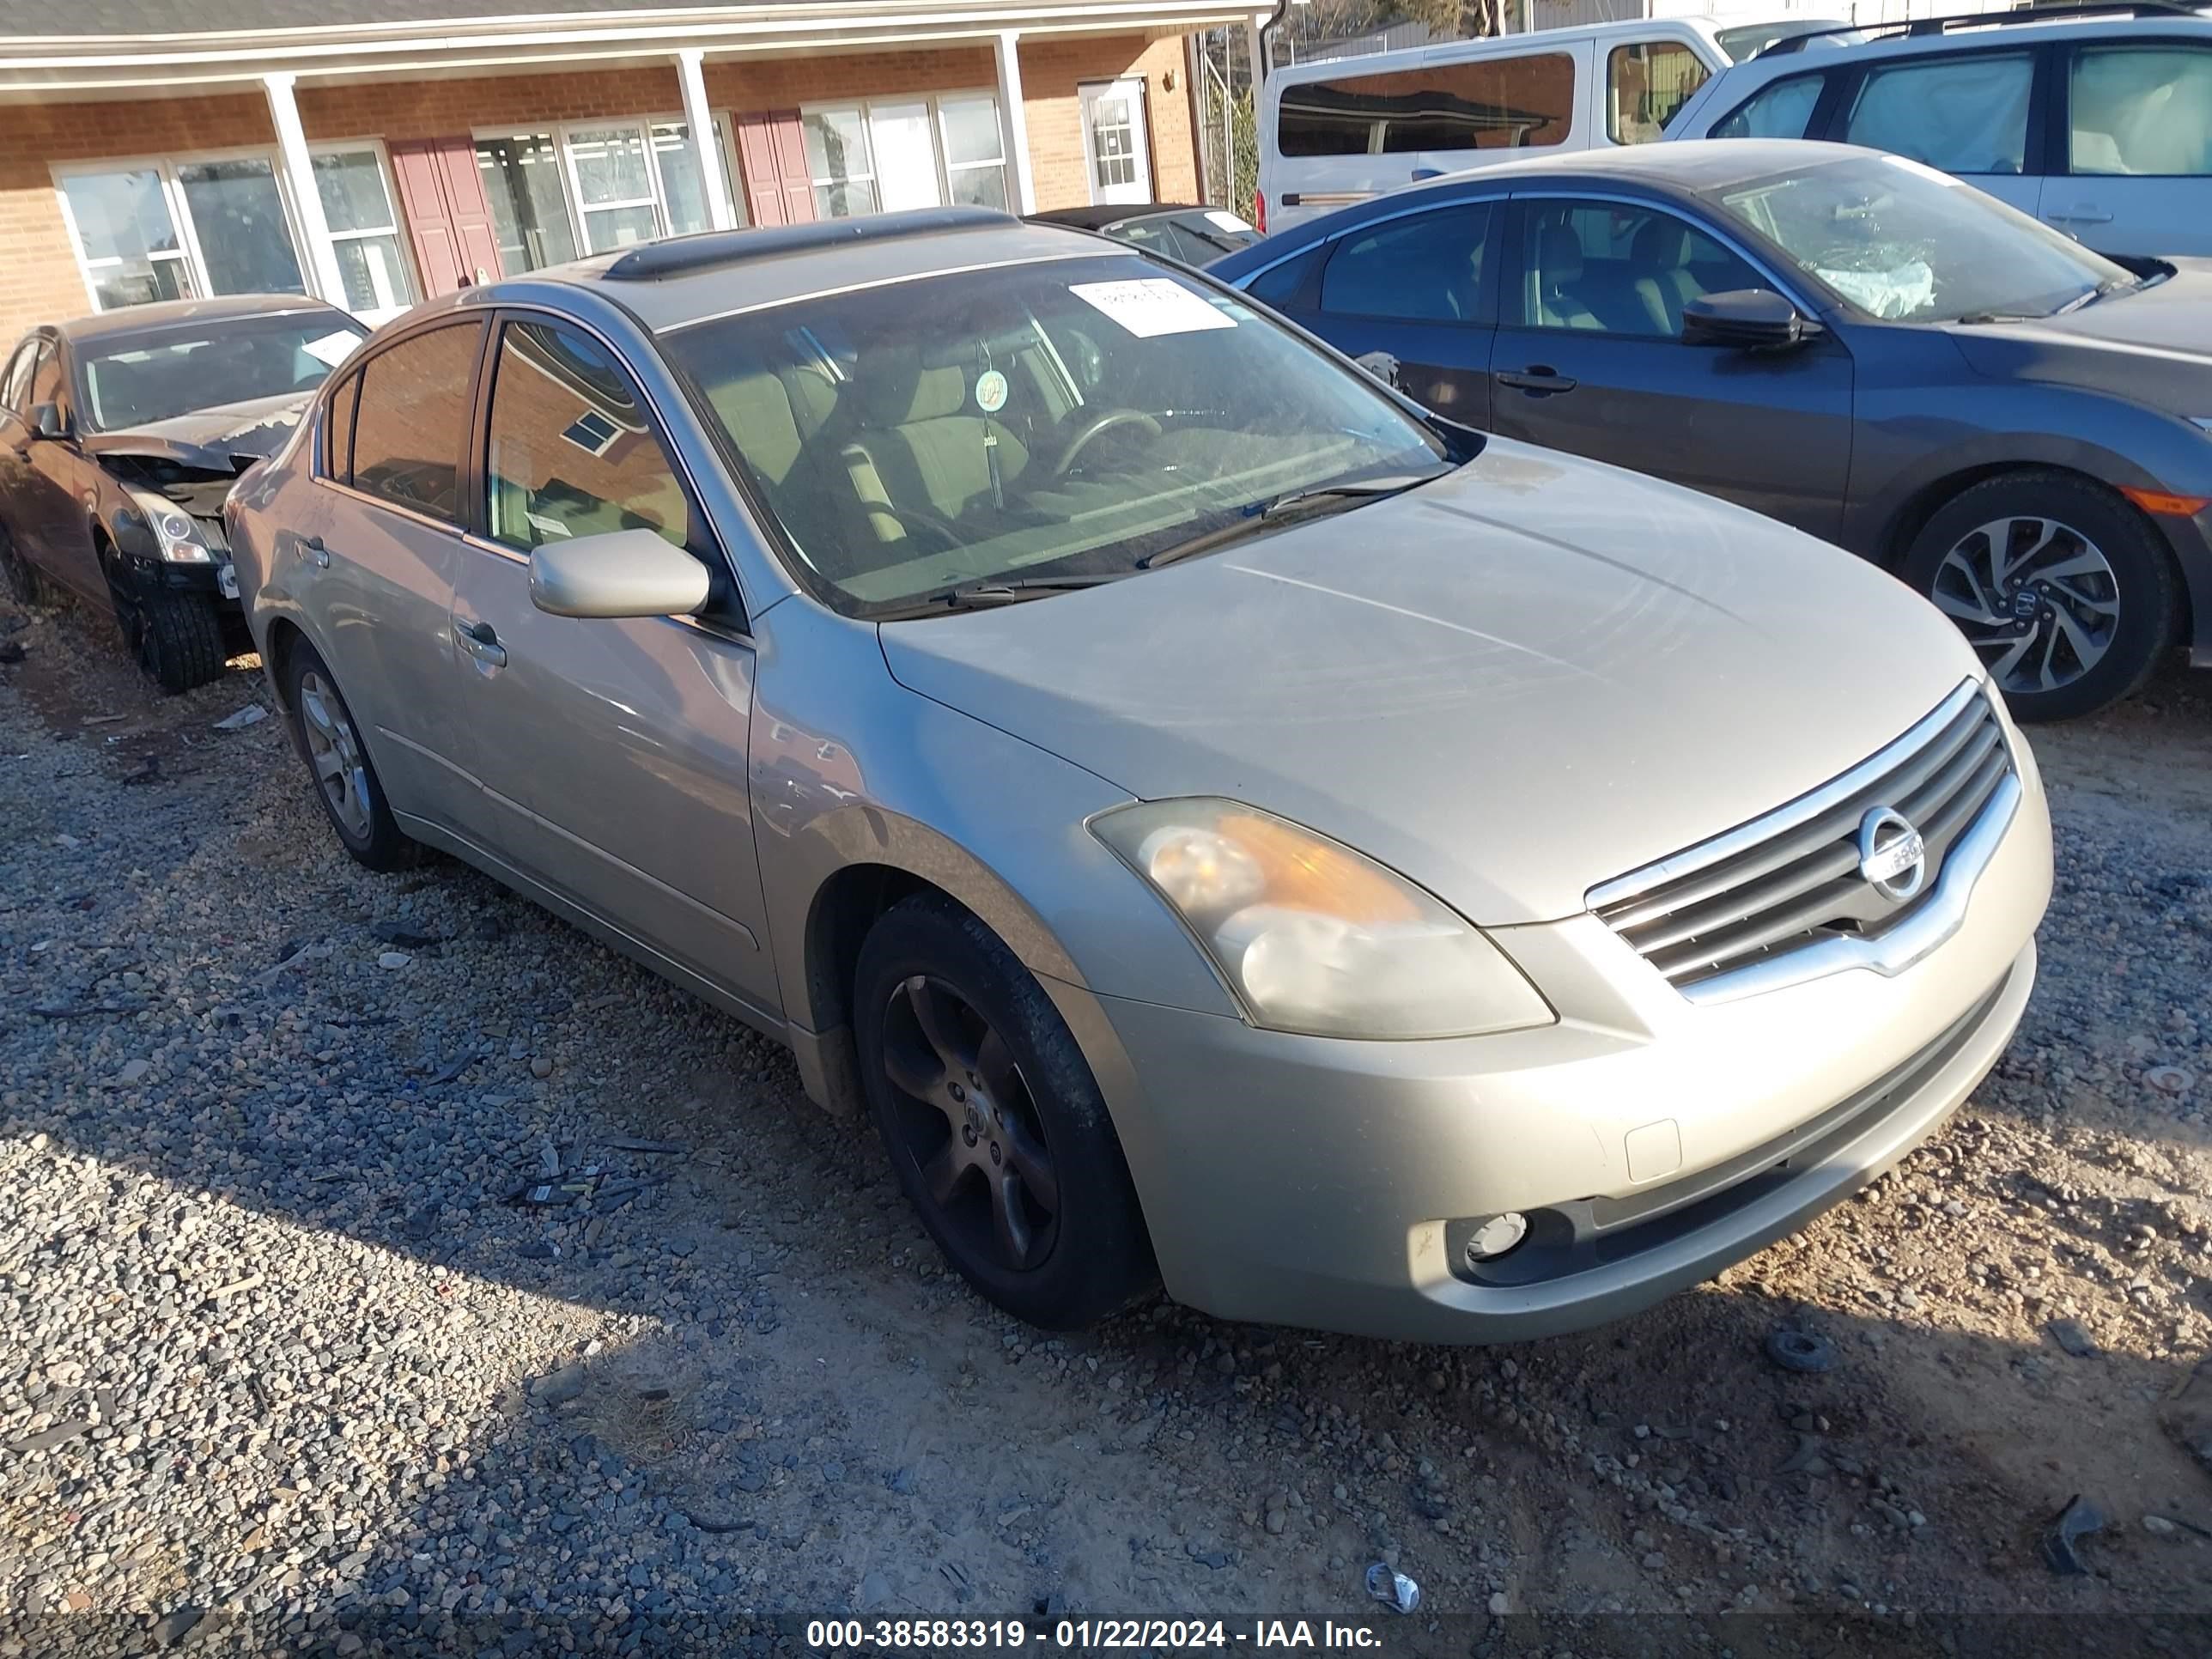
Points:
1537	380
2083	214
481	641
310	547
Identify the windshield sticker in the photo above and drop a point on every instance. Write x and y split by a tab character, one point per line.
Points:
1228	221
990	391
1151	305
333	348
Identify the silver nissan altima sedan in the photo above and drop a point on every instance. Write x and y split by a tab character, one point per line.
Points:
1221	824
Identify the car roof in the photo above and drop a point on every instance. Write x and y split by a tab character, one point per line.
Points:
186	313
682	280
1098	215
1706	165
1803	54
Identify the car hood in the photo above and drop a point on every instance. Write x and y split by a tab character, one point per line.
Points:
228	437
1509	685
2153	345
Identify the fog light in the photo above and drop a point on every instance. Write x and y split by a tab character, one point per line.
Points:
1497	1237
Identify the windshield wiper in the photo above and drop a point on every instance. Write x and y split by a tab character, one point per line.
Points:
2109	286
982	595
1973	318
1296	504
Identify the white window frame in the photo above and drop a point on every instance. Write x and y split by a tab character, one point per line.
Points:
572	197
398	230
180	216
653	201
942	151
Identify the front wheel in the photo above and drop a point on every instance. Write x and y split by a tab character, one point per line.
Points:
179	638
993	1121
25	585
2061	586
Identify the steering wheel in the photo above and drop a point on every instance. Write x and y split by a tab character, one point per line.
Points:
1104	421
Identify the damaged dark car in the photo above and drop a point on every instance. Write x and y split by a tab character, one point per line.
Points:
120	436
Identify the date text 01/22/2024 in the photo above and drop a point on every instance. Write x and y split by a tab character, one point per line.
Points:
1084	1635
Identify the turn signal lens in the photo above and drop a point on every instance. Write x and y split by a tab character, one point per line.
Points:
1313	936
2166	503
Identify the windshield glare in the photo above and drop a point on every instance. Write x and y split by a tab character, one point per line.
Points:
135	379
1905	242
1065	418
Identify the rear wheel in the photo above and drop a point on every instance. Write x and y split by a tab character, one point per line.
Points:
180	639
2060	584
345	780
993	1121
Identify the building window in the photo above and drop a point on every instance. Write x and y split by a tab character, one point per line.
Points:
907	153
364	225
594	186
175	230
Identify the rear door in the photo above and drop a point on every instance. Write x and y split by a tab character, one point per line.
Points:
375	569
1413	297
1590	358
2131	163
1976	114
610	754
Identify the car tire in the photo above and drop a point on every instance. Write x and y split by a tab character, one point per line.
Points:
339	769
25	585
1019	1100
2058	645
180	639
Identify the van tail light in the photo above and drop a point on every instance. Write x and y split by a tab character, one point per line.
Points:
1260	211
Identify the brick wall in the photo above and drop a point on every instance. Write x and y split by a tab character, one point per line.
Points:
39	276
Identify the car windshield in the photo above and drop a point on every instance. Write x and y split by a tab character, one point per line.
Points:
1050	421
1905	242
132	379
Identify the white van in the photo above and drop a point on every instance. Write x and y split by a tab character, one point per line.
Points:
1336	132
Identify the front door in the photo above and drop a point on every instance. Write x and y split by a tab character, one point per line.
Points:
1412	297
610	754
1591	359
60	482
1114	138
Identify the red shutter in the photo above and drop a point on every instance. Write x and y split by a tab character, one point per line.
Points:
447	215
772	154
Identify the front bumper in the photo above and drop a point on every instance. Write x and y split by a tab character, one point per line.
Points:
1655	1141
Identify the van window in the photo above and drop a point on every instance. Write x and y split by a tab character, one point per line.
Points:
1958	115
1493	103
1782	109
1646	84
2141	110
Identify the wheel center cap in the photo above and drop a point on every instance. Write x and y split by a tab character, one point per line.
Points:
2026	603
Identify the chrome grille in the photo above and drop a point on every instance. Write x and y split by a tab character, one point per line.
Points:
1792	878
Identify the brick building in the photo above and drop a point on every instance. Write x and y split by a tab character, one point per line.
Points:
379	151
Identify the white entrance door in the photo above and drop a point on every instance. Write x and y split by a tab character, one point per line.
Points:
1114	139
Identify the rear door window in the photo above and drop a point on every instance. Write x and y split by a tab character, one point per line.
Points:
1963	114
1424	268
413	420
2142	111
1782	109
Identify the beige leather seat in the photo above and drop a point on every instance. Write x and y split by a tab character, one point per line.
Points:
920	443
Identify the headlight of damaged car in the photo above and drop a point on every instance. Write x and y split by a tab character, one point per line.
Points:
1313	936
176	533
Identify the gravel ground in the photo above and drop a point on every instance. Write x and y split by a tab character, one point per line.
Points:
283	1365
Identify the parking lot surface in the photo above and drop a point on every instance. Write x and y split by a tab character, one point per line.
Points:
288	1350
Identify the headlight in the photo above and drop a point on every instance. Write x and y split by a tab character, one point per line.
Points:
176	533
1313	936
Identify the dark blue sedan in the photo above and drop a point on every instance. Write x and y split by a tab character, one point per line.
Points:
1848	342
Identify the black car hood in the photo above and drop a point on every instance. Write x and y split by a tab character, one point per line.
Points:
226	438
2152	346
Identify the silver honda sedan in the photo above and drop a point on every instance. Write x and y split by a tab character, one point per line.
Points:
1224	826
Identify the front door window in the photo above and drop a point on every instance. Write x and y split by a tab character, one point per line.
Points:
1114	136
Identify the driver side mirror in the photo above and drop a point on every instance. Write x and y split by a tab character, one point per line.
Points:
1752	319
46	422
619	572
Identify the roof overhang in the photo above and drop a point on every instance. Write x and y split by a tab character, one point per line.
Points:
93	66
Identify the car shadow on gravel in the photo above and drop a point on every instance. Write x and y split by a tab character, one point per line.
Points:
434	1279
